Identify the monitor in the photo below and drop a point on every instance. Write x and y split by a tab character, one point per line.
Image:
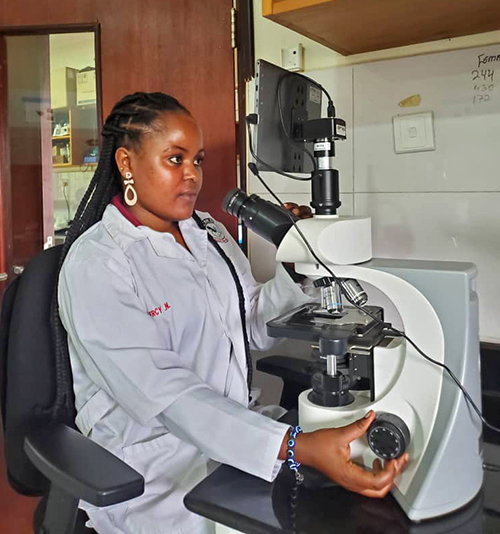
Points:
300	101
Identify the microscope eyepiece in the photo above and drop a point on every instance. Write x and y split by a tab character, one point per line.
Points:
266	219
233	201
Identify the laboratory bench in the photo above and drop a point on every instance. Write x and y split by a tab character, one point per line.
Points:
252	506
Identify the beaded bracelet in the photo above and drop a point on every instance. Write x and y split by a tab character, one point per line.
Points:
292	463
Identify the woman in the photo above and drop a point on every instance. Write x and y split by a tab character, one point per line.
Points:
161	314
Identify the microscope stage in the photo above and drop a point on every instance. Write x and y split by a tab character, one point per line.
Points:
309	321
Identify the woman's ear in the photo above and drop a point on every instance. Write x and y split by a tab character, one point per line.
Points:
122	159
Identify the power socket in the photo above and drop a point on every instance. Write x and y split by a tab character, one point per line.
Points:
292	59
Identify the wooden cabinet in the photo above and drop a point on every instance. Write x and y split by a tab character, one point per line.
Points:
355	26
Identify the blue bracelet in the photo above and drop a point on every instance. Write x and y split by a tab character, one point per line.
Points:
292	463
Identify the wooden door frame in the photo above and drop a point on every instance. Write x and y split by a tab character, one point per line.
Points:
246	71
6	243
5	191
46	151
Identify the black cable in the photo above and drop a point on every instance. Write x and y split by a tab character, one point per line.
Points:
287	133
127	122
330	107
451	374
241	301
253	168
255	171
249	120
390	328
491	512
262	162
491	467
67	202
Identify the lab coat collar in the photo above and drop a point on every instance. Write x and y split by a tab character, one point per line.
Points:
196	239
125	234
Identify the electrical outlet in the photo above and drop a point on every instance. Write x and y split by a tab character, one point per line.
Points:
292	59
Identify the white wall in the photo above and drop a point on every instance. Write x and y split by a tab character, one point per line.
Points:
75	50
442	204
69	186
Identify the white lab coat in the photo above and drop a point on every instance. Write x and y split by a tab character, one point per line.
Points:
158	361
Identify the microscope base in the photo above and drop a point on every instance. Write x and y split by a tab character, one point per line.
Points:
424	490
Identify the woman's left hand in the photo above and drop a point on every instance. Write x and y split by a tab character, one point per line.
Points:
302	212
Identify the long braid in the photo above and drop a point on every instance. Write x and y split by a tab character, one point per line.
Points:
129	120
241	300
84	218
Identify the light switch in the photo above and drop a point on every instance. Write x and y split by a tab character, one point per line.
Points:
413	133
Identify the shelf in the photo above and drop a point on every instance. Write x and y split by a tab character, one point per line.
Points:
356	26
82	126
63	141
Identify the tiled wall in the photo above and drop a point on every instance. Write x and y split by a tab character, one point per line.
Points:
443	204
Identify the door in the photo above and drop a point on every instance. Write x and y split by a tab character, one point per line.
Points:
50	139
47	157
181	47
15	511
5	236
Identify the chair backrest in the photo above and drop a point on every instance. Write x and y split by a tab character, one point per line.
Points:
28	362
8	299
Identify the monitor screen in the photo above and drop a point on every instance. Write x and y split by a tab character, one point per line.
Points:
300	101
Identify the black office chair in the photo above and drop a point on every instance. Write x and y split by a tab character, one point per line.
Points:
44	457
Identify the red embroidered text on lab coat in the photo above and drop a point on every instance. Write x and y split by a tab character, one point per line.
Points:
159	309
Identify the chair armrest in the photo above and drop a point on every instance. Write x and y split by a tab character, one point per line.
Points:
81	467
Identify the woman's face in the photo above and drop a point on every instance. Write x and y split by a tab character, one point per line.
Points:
166	167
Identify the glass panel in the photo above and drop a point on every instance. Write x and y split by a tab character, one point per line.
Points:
29	118
75	149
52	135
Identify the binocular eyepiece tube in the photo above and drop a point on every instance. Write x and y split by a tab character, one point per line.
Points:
266	219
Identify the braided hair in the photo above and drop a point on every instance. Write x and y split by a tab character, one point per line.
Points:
130	119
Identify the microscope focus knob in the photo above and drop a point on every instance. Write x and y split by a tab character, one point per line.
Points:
388	436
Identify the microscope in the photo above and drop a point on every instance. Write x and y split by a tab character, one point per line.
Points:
361	362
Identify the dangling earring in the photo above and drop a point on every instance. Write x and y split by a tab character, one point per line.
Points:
129	190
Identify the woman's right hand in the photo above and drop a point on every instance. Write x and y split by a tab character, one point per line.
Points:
328	450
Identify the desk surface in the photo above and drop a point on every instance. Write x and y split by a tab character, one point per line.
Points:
253	506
